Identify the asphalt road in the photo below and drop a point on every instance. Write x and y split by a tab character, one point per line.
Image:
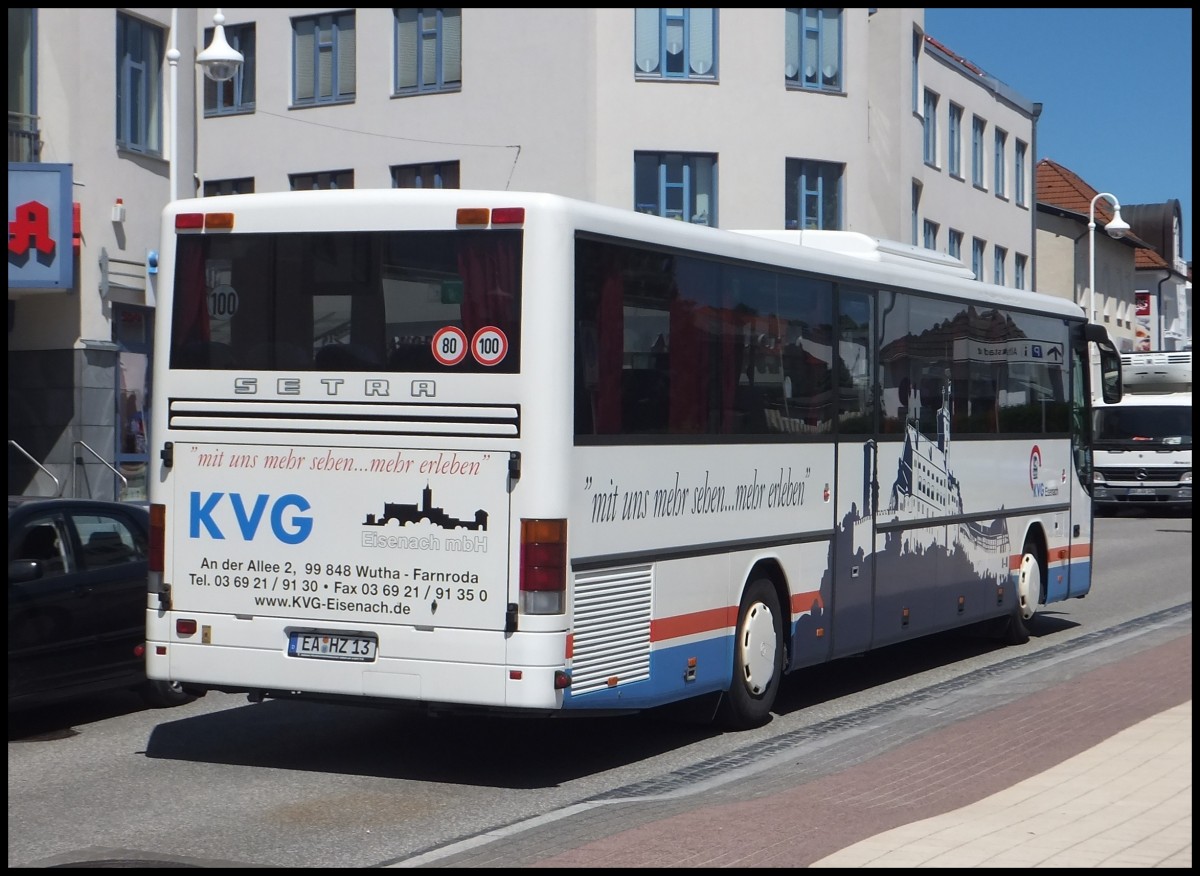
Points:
107	783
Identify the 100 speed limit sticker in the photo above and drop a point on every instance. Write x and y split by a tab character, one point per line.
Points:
489	345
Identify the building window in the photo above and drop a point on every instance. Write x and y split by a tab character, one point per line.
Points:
918	41
443	175
1019	173
916	207
931	235
234	95
977	246
813	198
954	241
999	256
931	102
428	50
977	127
324	66
331	179
139	85
24	140
954	141
1019	263
214	187
677	185
675	43
812	49
999	162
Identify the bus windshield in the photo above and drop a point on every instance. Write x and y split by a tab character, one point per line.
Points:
1165	425
350	301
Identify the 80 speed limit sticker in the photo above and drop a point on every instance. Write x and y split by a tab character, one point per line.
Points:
489	346
449	345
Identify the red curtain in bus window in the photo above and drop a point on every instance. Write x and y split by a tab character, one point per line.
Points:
488	267
610	340
190	318
689	367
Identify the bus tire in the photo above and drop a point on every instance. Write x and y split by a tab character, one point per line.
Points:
165	694
757	659
1030	578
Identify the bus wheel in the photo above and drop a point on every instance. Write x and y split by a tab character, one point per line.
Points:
1029	590
757	659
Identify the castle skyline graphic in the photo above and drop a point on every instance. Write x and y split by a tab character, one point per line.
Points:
405	513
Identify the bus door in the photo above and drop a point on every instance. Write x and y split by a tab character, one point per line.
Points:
857	489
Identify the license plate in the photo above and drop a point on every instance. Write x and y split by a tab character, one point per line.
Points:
1141	491
331	646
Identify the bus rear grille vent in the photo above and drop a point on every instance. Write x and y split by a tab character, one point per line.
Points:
612	627
357	418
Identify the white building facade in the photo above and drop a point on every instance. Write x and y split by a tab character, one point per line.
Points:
845	119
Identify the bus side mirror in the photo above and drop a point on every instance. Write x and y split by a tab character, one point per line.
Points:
1110	373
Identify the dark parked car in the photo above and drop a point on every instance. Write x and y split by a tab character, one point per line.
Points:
77	601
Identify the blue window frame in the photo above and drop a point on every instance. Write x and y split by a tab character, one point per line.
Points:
999	162
324	66
930	147
977	246
954	141
954	241
999	256
440	175
326	179
677	185
1019	175
812	50
813	198
241	186
139	85
918	41
234	95
977	128
1019	264
931	235
675	44
428	50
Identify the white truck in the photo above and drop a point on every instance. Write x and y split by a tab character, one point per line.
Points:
1142	446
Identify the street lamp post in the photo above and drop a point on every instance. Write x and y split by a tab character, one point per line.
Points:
1116	229
220	62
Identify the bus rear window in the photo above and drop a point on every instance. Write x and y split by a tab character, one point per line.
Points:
410	301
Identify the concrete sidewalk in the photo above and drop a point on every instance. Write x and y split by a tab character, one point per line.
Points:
1126	802
1081	763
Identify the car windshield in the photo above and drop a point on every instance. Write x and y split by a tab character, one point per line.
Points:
1164	425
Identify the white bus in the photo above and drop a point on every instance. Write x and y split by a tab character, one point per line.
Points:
510	451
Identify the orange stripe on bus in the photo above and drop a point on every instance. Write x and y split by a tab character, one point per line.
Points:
692	624
1074	552
804	602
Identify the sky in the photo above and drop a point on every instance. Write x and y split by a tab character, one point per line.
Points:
1115	87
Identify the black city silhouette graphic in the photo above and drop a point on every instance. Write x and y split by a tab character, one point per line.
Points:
405	514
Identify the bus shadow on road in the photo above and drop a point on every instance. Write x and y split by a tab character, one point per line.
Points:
825	682
482	750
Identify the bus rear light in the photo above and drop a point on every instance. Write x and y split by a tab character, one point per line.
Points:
185	627
188	221
472	216
508	216
562	679
543	575
158	534
222	221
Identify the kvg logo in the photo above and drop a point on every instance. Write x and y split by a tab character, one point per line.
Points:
209	511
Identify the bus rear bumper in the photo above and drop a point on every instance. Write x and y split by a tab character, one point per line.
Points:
427	674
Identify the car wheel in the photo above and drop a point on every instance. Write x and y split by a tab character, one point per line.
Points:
165	694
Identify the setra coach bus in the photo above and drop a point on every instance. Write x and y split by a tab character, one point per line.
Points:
511	451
